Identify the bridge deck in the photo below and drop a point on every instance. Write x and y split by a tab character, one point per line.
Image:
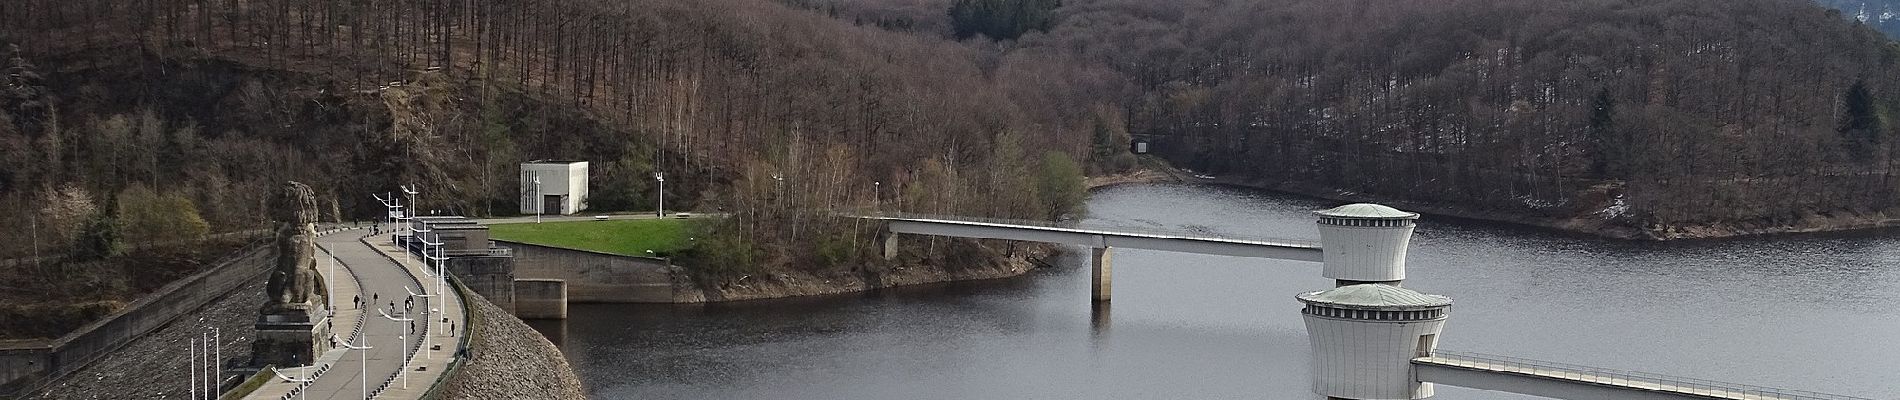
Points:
1549	379
1035	231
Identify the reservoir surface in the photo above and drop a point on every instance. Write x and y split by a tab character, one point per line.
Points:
1813	312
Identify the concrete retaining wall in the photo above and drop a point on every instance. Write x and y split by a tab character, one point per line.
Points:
491	277
594	277
22	367
541	298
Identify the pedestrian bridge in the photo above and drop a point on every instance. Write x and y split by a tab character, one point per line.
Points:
1564	381
1102	241
1044	232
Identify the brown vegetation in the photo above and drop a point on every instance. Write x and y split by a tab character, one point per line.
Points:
1644	113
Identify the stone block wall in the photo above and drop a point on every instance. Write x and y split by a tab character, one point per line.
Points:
541	298
491	277
594	277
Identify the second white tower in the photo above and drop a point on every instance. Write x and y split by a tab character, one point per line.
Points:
1365	243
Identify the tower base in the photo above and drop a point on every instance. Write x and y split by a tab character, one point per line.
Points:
291	338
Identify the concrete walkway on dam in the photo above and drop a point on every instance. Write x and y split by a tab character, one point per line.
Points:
376	270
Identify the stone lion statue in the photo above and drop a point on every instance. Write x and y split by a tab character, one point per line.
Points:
294	283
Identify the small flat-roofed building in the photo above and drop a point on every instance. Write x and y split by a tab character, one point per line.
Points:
562	189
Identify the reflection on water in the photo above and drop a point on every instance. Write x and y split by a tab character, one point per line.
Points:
554	329
1809	312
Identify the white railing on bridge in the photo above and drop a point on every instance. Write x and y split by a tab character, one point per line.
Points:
1619	378
1121	230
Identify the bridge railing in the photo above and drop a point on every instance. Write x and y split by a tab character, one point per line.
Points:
1614	377
1148	231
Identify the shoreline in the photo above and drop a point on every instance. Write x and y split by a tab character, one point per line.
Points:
792	284
1153	170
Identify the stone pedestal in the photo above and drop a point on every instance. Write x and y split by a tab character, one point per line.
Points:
291	338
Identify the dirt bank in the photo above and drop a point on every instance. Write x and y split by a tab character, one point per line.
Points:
1014	260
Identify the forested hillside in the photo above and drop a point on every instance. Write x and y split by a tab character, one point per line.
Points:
1643	114
1650	113
770	112
1758	115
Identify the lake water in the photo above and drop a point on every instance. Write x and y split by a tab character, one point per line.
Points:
1814	312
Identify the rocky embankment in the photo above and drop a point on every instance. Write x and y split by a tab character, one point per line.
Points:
509	360
157	366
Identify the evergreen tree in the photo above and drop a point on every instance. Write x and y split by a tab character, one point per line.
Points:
1001	19
100	238
1603	138
1860	124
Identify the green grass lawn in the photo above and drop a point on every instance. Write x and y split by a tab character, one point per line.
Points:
631	237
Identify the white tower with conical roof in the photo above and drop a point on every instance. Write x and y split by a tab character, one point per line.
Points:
1365	243
1366	330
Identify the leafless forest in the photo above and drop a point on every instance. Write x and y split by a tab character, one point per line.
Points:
1645	113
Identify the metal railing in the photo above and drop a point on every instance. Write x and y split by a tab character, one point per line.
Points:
1611	377
1130	231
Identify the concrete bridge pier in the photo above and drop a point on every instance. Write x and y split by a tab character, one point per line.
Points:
1100	272
890	245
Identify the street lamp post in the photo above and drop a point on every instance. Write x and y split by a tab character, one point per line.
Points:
204	339
191	356
536	200
412	191
302	379
425	314
660	177
396	215
216	353
364	356
401	343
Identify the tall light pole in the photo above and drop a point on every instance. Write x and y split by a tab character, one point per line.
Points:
401	343
412	191
191	356
536	200
415	235
364	356
661	178
441	278
301	371
205	338
394	205
425	314
413	206
877	195
331	286
216	352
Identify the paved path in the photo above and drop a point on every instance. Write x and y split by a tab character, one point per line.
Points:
382	282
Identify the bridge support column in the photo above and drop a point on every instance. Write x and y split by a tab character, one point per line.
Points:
1100	272
890	245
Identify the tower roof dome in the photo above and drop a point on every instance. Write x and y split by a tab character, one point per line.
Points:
1375	297
1367	211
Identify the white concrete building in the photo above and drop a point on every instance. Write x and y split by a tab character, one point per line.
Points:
1365	243
562	188
1364	338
